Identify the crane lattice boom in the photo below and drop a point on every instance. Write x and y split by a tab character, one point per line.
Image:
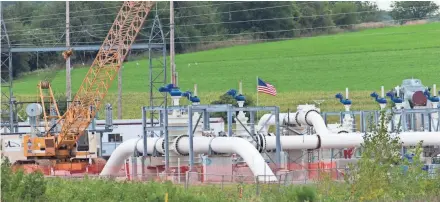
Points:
109	59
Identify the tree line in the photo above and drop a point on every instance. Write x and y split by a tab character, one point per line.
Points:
198	25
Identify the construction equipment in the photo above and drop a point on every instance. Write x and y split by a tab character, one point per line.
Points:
61	148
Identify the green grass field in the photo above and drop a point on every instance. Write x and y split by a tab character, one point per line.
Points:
302	70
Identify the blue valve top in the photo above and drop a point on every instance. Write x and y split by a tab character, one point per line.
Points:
427	93
394	99
175	92
194	99
379	100
188	95
233	93
342	100
166	88
240	97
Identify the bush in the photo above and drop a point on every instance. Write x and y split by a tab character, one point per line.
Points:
227	99
19	186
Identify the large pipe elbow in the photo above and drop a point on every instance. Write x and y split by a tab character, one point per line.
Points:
269	120
230	145
312	117
247	151
127	149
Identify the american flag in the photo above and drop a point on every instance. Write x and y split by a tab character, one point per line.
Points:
265	87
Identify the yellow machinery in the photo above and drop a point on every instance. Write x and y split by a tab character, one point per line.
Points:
59	149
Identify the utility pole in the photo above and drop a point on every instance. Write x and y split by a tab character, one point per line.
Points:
68	78
172	65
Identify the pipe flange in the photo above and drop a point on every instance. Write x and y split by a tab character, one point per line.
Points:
264	144
305	117
211	151
319	142
296	118
176	146
259	142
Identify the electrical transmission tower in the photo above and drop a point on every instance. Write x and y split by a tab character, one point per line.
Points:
7	98
158	76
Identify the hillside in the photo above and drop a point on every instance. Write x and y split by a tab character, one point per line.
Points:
301	69
362	61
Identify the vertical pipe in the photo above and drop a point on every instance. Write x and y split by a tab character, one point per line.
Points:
434	87
341	117
252	122
429	122
100	143
229	114
346	93
361	121
144	131
382	91
195	89
167	148
190	134
144	139
205	120
403	122
278	139
162	120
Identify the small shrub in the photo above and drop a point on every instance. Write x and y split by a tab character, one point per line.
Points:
305	193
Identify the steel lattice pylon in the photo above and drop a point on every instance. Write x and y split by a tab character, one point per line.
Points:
158	68
7	99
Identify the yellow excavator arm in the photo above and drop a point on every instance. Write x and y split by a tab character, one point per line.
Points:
88	99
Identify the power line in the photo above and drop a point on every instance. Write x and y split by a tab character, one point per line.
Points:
258	40
63	13
248	33
88	10
296	29
231	22
201	24
282	18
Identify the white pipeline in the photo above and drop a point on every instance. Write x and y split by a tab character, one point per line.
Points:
230	145
309	117
127	149
347	140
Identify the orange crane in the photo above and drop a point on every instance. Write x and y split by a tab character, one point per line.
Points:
60	149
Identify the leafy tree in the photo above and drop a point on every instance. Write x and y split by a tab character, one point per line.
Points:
315	17
369	12
259	17
347	11
412	10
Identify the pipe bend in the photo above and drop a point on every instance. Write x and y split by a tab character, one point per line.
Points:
306	116
116	160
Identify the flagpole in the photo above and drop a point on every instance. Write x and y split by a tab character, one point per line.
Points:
257	95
